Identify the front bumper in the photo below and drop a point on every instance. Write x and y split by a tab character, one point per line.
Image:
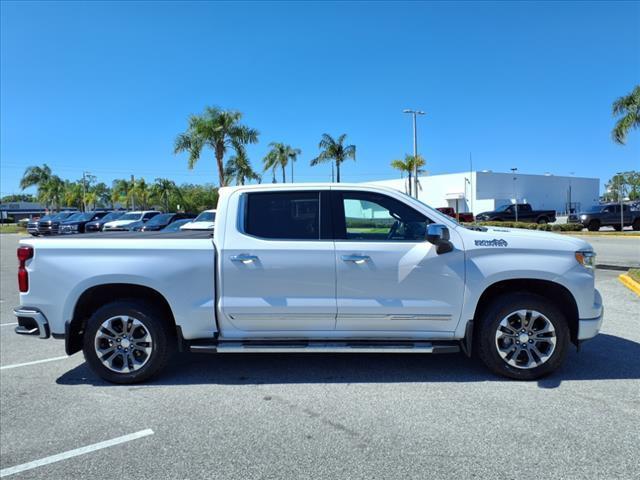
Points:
590	327
31	322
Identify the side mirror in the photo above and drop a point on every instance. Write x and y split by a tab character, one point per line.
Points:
438	235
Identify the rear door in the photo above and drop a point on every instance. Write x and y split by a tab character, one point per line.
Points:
278	265
389	279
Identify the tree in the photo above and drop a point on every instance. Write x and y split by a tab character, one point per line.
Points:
122	192
163	190
18	197
72	194
52	191
407	165
217	129
36	176
628	109
626	184
239	169
334	150
102	195
142	192
279	156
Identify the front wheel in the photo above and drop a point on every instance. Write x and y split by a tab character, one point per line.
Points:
636	224
593	226
127	341
543	221
522	336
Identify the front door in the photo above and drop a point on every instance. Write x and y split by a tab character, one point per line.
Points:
389	279
278	266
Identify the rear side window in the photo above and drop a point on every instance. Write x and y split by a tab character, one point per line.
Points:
285	216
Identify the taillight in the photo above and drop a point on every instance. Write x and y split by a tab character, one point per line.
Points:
24	254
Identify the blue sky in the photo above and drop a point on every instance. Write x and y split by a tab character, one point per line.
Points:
105	87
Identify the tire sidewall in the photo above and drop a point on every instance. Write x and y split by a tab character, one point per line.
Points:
153	321
505	305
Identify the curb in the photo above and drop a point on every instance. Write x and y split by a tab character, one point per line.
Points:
630	283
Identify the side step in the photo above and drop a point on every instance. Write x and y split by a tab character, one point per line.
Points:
326	347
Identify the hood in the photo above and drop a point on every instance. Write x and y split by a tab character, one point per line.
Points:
523	238
198	226
119	223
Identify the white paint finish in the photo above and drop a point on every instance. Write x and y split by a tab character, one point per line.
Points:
35	362
5	472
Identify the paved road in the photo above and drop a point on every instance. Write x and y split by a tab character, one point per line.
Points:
327	416
616	250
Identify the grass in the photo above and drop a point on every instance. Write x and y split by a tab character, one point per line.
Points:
11	228
634	273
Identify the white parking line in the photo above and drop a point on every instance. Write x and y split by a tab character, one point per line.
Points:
74	453
35	362
8	324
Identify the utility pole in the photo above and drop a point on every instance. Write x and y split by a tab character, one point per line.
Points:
620	198
471	180
84	191
415	113
332	173
515	193
133	195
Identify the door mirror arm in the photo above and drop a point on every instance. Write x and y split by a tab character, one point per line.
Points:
438	235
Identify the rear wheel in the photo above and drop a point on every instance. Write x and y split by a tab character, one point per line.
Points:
127	341
543	221
636	224
594	226
617	228
522	336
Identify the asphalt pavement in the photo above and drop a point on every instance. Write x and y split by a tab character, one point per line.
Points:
320	415
615	250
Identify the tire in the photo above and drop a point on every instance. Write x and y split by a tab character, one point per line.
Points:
636	224
617	228
594	226
145	322
506	308
543	221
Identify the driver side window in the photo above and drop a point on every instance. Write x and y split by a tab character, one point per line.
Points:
375	217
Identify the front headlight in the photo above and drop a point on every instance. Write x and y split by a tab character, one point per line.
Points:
583	217
586	259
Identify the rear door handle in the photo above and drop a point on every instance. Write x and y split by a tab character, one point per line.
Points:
358	259
244	258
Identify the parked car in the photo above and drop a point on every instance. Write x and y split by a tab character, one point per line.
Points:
309	268
607	215
205	221
51	226
77	223
96	225
175	226
507	213
460	216
32	225
160	221
128	218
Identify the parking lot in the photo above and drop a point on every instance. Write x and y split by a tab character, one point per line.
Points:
322	416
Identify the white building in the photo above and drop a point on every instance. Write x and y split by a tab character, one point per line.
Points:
483	191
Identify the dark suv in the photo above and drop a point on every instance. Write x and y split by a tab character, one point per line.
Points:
77	223
96	225
51	226
607	216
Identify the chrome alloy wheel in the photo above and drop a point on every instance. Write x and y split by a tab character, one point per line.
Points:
525	339
123	344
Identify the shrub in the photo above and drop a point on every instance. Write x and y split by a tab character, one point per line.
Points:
547	227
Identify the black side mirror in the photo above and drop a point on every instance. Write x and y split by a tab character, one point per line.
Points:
438	235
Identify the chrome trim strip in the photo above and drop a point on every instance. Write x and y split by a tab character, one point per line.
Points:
43	325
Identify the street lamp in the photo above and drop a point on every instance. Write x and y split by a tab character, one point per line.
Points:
515	193
415	147
84	190
620	198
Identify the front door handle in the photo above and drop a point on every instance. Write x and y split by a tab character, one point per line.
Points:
244	258
358	259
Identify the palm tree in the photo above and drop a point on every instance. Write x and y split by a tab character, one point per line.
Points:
217	129
334	150
142	192
279	156
35	176
628	108
407	165
163	189
52	191
239	169
122	191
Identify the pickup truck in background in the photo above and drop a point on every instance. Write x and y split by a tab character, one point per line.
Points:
507	213
466	217
312	268
607	216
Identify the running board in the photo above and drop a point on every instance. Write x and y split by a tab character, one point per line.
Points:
326	347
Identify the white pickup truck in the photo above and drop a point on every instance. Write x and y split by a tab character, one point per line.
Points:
312	268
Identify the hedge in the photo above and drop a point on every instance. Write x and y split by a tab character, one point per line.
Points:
547	227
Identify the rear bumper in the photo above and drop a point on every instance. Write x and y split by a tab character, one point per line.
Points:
31	322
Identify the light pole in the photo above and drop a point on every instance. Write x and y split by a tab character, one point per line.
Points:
570	207
515	193
84	190
415	113
620	198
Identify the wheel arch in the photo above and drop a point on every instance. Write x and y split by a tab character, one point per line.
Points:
97	296
559	294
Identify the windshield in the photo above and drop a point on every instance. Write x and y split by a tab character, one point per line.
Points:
131	216
206	217
75	216
111	216
45	218
63	216
503	208
175	226
594	209
160	219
